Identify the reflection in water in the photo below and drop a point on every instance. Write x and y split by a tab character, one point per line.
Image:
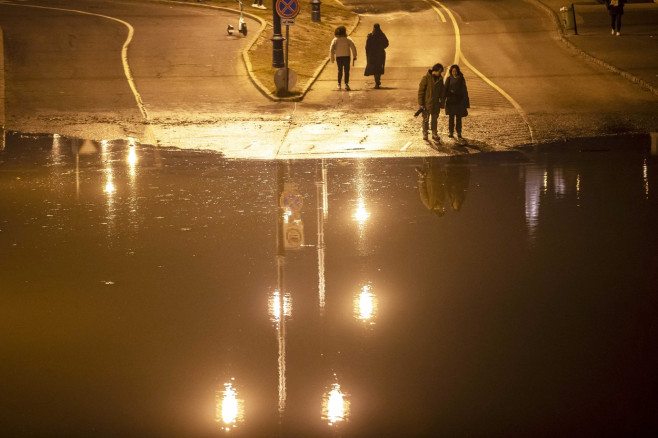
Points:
335	406
322	201
361	215
645	178
277	306
526	190
230	409
365	306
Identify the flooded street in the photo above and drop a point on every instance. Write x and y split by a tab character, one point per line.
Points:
173	293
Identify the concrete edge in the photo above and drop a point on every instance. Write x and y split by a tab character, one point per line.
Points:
561	35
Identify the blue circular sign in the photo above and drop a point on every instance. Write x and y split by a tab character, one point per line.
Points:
287	8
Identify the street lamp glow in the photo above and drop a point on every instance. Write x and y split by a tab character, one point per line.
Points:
132	157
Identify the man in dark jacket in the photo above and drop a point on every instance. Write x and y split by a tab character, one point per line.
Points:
430	99
376	45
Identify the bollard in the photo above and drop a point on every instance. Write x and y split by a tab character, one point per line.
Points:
569	18
315	11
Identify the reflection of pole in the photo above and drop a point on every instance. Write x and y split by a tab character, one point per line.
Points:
321	189
280	261
277	39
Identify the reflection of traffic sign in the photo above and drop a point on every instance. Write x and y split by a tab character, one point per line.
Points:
293	201
293	235
287	8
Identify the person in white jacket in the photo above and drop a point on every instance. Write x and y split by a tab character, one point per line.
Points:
341	48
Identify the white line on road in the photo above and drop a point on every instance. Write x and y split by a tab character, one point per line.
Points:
438	11
406	146
124	49
459	54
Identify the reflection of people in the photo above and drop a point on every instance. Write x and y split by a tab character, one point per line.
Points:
376	45
616	10
456	100
432	185
458	175
258	4
430	99
341	48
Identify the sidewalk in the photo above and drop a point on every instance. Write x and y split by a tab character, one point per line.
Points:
632	54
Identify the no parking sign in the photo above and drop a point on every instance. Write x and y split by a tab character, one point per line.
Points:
287	8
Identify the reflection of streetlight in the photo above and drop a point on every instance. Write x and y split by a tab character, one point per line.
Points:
275	306
365	305
132	155
361	215
230	409
335	406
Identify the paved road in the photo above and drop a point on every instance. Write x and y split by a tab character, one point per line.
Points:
193	91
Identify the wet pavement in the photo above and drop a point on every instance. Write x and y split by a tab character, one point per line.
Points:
162	292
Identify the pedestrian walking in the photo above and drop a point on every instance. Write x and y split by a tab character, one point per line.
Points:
430	99
341	48
456	100
616	10
376	45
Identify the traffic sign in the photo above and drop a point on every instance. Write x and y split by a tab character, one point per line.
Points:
287	22
287	8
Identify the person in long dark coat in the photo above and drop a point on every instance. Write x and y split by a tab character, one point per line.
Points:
616	10
376	45
456	100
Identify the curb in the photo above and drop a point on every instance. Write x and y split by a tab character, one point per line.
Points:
561	34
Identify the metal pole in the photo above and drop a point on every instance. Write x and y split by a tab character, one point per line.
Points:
277	39
575	26
287	51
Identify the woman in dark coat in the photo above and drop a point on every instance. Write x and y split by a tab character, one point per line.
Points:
616	10
456	100
376	45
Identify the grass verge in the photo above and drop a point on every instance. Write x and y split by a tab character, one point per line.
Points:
308	45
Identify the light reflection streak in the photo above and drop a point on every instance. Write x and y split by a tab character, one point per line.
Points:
645	178
109	188
281	306
230	408
335	406
365	305
57	149
321	194
534	184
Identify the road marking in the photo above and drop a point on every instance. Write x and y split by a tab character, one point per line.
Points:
405	146
438	11
459	54
124	49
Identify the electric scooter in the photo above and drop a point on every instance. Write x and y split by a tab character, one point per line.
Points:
242	25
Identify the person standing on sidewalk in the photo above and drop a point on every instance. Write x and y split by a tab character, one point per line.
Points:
616	10
430	99
341	48
376	45
456	99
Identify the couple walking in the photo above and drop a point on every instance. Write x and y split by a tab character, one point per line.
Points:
434	94
342	47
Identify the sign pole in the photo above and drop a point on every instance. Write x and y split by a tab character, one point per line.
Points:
287	51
